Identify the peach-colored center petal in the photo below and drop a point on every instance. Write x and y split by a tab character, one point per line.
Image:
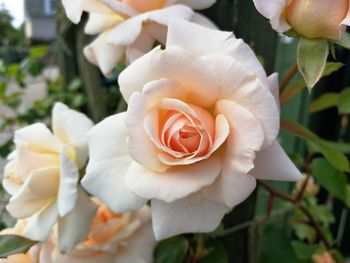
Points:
317	18
144	5
187	133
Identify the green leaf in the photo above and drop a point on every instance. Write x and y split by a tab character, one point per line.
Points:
172	250
305	232
216	253
39	51
276	246
335	157
298	86
305	251
324	102
11	245
312	59
33	66
344	41
323	214
348	195
334	181
344	101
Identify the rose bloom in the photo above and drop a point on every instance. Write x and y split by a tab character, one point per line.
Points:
312	19
200	128
121	238
42	178
129	28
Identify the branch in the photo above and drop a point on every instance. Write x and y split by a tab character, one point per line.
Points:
288	77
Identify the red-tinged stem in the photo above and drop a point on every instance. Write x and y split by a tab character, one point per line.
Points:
288	77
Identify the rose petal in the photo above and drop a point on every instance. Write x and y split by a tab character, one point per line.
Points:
70	232
139	105
103	54
175	183
40	225
246	137
38	137
222	131
99	23
274	164
108	165
239	84
273	10
72	127
176	64
33	196
202	20
28	160
67	193
274	87
193	38
192	214
134	25
110	176
141	46
140	246
74	9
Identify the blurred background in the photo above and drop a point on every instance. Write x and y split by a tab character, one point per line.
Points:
41	62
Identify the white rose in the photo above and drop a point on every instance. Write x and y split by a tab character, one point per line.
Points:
43	174
200	128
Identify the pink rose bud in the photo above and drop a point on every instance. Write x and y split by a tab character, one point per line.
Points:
317	18
310	18
325	257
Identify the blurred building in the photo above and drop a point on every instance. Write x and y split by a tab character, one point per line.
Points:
40	24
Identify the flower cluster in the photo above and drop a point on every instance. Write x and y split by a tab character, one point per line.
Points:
201	127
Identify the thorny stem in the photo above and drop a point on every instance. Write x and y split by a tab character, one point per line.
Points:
288	77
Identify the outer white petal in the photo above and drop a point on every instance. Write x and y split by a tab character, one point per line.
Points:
189	215
103	54
29	159
175	183
134	24
39	137
273	10
99	23
68	192
202	20
196	39
108	165
72	127
40	225
274	87
75	227
176	64
274	164
141	46
74	9
140	246
239	84
37	191
106	181
246	137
